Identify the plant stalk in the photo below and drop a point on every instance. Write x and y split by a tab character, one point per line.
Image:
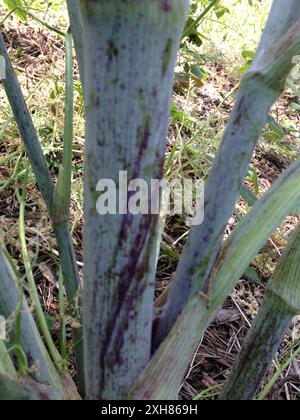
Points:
194	25
61	217
163	376
259	89
39	313
30	339
46	186
6	364
281	304
25	390
77	32
131	49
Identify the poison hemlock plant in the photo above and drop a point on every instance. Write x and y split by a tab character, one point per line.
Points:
126	53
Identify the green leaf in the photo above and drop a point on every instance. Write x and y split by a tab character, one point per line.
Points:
248	196
248	54
49	320
275	127
18	7
169	251
251	274
253	177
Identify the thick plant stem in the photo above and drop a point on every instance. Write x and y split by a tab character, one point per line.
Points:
25	390
46	186
281	304
130	50
258	91
259	349
40	365
27	130
284	21
31	341
41	171
163	376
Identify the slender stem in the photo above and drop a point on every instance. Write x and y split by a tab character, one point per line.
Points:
63	190
6	364
61	214
194	25
63	334
6	17
46	186
32	286
15	174
41	367
77	32
41	21
69	112
21	356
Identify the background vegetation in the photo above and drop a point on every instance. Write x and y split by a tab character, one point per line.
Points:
210	64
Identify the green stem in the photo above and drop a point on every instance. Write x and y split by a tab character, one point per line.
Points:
77	32
14	176
63	334
13	390
32	286
163	376
41	21
27	130
20	354
259	89
33	347
287	362
281	304
46	186
194	25
258	350
6	364
136	79
63	190
61	215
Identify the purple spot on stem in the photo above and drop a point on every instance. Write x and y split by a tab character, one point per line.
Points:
166	6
